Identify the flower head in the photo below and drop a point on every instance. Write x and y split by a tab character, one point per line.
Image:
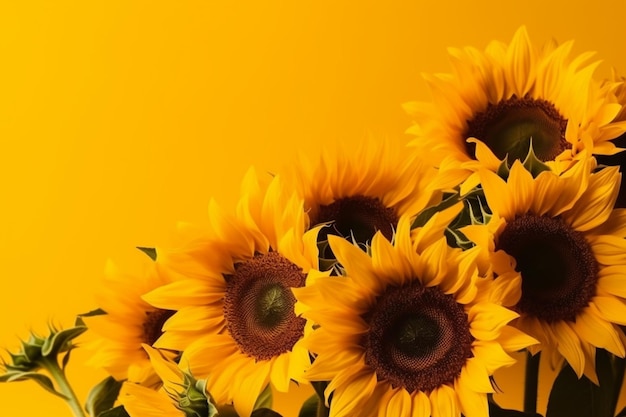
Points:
128	322
357	192
557	248
500	102
401	334
234	313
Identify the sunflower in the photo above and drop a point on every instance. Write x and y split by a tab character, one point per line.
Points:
401	334
360	191
558	242
178	395
619	159
498	102
235	319
129	322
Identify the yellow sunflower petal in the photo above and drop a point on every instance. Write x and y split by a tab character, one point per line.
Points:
569	346
488	319
472	403
444	402
421	404
592	328
348	397
400	404
612	309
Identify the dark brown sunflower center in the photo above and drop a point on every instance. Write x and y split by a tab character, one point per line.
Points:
153	325
559	271
258	305
356	218
508	127
419	337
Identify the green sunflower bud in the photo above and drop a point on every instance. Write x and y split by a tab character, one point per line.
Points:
37	349
40	352
192	400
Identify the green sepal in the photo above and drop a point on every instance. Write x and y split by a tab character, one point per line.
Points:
533	164
61	341
265	412
573	397
32	351
102	396
323	249
503	170
264	400
66	358
42	380
79	319
193	400
327	264
118	411
151	252
19	363
309	407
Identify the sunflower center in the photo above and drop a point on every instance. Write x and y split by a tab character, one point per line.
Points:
153	325
356	218
558	269
419	337
258	305
508	127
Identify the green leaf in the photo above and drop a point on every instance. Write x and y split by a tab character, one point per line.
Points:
118	411
423	217
264	412
573	397
457	239
79	319
102	396
61	341
151	252
309	408
42	380
264	400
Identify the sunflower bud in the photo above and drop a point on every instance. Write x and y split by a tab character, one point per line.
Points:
38	352
192	400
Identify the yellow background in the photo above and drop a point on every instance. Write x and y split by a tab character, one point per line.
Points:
120	118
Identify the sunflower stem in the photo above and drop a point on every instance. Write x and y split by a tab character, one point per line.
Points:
322	410
52	366
531	382
619	368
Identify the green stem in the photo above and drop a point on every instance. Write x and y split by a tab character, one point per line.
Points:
322	411
319	387
58	375
619	368
531	383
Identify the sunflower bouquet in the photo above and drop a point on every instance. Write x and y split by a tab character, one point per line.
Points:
392	281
